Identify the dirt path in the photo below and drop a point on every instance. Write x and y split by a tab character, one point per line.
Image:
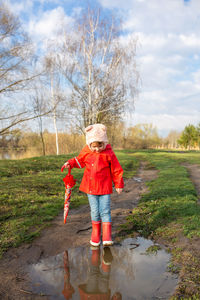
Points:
14	281
194	172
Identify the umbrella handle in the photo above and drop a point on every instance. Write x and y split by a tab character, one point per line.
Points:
69	171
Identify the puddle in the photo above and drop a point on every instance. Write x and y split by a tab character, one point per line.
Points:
124	271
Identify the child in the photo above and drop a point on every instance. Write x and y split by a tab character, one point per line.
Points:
101	169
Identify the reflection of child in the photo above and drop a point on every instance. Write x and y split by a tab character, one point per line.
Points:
97	285
98	278
101	169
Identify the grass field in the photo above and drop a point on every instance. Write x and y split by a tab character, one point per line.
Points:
32	194
169	212
172	196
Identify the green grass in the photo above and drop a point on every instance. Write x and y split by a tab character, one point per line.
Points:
171	198
169	211
32	194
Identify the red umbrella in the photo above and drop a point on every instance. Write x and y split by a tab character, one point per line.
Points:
69	183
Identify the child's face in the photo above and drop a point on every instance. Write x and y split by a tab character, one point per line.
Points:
97	146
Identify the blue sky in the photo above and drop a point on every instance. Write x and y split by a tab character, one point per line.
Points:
168	54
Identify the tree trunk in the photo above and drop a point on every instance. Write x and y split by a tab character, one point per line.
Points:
56	131
43	144
54	115
42	136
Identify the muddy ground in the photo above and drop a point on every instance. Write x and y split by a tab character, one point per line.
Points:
14	280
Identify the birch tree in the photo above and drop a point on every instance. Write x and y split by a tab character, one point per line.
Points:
100	68
40	104
56	96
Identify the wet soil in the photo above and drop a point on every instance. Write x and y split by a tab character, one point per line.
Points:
14	279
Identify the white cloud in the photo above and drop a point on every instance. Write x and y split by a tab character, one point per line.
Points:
165	121
157	16
168	60
18	7
196	78
50	1
49	24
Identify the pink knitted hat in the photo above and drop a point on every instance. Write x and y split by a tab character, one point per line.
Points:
96	133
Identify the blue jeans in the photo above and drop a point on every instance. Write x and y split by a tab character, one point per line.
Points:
100	207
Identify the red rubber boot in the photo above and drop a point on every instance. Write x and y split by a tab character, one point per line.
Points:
95	258
107	238
96	233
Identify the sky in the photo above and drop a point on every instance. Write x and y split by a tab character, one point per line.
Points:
168	51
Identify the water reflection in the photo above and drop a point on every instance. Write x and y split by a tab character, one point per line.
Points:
97	284
123	271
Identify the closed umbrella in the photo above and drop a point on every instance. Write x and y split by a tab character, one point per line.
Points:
69	183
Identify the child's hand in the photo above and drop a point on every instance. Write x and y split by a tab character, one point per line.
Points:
119	190
66	165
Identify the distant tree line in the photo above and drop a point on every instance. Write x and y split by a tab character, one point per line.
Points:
26	143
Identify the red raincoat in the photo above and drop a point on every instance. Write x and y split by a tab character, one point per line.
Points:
101	170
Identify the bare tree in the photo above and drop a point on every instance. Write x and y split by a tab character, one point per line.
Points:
171	141
56	97
142	136
39	107
16	71
100	68
15	52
